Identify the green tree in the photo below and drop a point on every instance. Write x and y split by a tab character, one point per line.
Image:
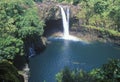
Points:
100	7
115	16
9	47
109	72
19	20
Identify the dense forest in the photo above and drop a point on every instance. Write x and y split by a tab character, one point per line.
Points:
20	24
102	15
19	21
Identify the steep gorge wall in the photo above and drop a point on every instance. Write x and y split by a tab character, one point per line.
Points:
50	13
51	10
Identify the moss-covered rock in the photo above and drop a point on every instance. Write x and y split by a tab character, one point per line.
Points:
8	73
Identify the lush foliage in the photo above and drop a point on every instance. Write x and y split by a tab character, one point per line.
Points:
68	75
8	73
100	13
109	72
18	20
10	46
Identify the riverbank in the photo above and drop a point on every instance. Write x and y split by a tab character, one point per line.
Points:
91	34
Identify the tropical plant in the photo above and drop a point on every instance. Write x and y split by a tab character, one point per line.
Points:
9	47
19	20
109	72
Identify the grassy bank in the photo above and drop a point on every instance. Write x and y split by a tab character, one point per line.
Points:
104	31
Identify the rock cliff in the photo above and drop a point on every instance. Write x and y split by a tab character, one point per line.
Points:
51	10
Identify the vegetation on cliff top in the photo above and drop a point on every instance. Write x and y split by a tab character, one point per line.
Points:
103	14
18	20
100	13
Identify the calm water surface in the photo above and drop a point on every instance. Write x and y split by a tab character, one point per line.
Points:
76	55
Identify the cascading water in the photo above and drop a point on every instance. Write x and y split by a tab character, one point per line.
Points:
65	20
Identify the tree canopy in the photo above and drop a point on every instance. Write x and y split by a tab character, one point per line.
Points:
18	20
100	13
109	72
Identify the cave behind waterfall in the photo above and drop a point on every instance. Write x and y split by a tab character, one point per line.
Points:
53	26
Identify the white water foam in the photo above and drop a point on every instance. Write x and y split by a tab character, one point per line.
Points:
65	19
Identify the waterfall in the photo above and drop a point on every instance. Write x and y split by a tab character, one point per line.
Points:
65	19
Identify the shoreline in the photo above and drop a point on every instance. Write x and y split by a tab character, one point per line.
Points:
87	36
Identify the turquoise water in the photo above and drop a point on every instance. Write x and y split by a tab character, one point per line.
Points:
76	55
